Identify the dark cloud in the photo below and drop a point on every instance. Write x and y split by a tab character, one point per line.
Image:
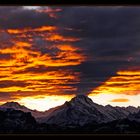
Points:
5	40
109	37
18	17
11	83
38	69
5	56
102	22
6	96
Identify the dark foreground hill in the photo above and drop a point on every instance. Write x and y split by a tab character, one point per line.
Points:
16	121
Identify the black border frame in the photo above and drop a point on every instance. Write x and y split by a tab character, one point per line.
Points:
68	3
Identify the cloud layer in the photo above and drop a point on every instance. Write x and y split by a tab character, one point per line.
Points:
68	50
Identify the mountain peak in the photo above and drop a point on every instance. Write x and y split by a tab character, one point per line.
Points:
13	105
82	99
81	96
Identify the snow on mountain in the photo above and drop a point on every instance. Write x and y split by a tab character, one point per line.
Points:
79	111
17	106
14	105
82	110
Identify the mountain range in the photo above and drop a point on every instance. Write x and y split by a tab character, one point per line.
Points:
80	113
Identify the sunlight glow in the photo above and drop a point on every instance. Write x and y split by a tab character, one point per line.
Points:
105	99
44	103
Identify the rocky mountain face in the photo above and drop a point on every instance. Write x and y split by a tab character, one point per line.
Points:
16	121
17	106
80	114
82	110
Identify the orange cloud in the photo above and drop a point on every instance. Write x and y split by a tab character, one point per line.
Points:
126	82
129	73
57	37
31	70
21	44
120	100
65	47
45	28
17	69
39	29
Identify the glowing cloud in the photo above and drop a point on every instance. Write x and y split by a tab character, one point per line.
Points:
57	37
114	99
39	29
126	82
120	100
31	74
67	51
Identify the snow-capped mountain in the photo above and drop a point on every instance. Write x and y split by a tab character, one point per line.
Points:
17	106
119	112
79	111
82	110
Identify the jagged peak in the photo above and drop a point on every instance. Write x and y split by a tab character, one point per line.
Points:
131	107
81	97
84	99
109	106
13	104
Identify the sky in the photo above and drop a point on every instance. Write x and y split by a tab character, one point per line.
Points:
50	54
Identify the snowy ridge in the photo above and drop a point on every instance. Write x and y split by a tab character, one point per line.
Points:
79	111
17	106
82	110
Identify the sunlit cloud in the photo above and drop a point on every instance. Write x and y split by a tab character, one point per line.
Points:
39	29
57	37
126	82
120	100
65	51
28	73
114	99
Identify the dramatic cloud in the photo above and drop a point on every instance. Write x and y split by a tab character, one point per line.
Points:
126	82
46	51
120	100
